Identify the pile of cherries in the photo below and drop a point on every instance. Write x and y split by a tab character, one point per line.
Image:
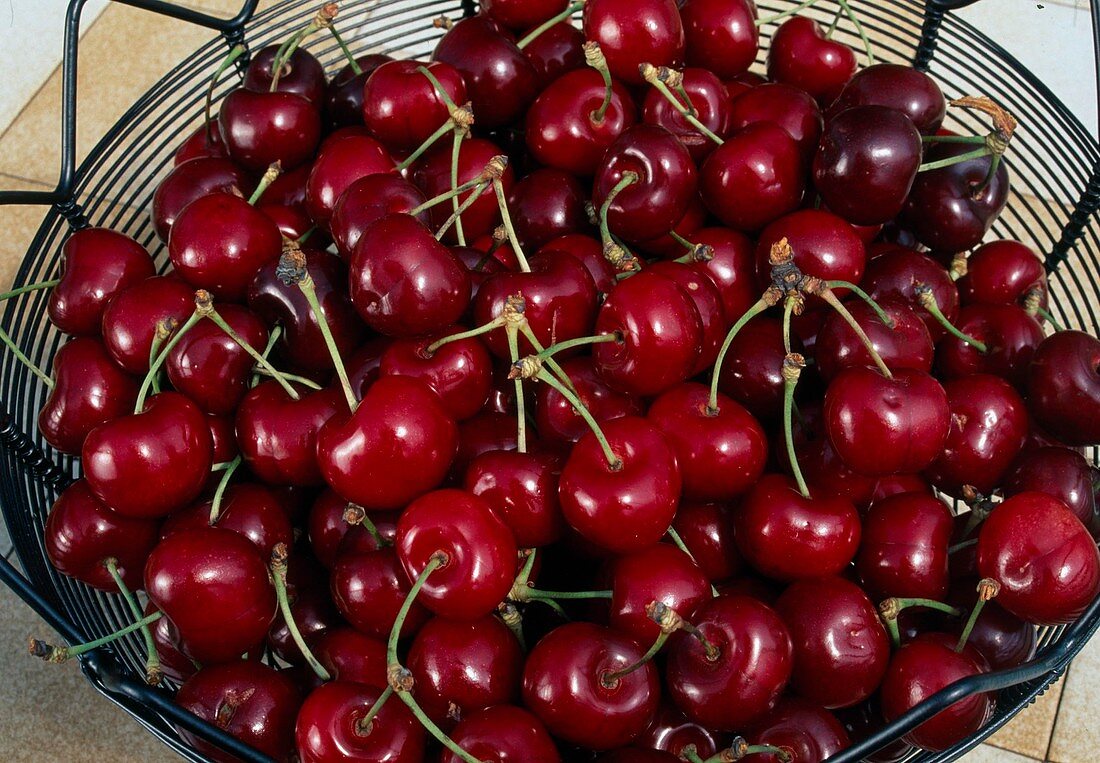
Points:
576	395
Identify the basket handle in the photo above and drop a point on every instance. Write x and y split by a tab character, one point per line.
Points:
62	194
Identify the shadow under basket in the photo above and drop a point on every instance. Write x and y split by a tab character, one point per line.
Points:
1055	168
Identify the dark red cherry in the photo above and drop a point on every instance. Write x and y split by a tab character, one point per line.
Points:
805	730
250	510
522	488
904	548
881	426
205	141
1003	273
278	435
330	729
253	702
460	372
433	175
801	55
1010	335
567	683
898	271
667	247
191	180
479	550
368	199
344	99
635	33
292	222
756	176
707	531
741	681
330	534
401	106
1063	386
554	52
82	533
792	109
1059	472
752	372
907	344
289	188
788	537
731	268
88	390
628	507
711	104
908	90
840	646
342	160
720	35
215	588
349	655
131	318
1003	639
824	246
261	128
302	74
660	573
368	587
704	295
556	419
546	204
503	734
521	14
1045	560
166	444
488	431
671	731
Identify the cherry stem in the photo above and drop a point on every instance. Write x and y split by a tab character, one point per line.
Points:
859	292
1045	314
580	341
988	588
780	16
59	654
243	343
690	754
657	77
236	52
791	370
506	217
446	196
480	330
952	160
790	305
153	673
521	404
679	543
712	652
305	236
628	179
594	57
355	67
268	178
303	380
834	302
10	343
456	151
364	724
437	560
443	129
321	20
834	23
754	310
272	338
859	30
223	483
740	749
456	216
534	34
529	335
510	616
221	466
535	594
613	461
1033	306
971	139
890	608
278	576
611	680
928	301
29	288
356	515
154	369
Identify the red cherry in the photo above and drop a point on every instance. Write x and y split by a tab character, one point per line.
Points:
707	531
401	106
792	109
752	374
191	180
1060	473
1010	335
369	587
635	33
557	420
824	246
660	573
547	204
261	128
904	548
906	344
330	534
503	734
803	729
368	199
348	655
342	160
330	729
130	319
555	52
1003	273
1003	639
1063	386
459	372
710	101
522	488
802	56
671	731
720	35
899	87
205	142
302	74
521	14
433	175
732	268
249	510
278	435
344	101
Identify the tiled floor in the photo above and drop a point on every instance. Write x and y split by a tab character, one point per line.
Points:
50	712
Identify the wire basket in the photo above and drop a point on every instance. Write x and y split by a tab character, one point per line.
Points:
1055	166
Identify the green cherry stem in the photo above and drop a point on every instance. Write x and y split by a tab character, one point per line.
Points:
456	216
506	218
535	594
363	725
790	305
278	576
29	288
354	514
792	369
613	461
960	546
355	67
594	57
443	129
928	301
268	178
611	680
690	754
243	343
221	466
1033	306
768	300
580	341
321	20
437	560
59	654
890	608
303	380
236	52
859	30
549	23
439	89
153	673
219	493
988	588
509	615
952	160
456	152
740	749
521	405
529	335
679	543
163	330
659	77
628	179
834	302
977	140
155	367
479	331
882	316
447	196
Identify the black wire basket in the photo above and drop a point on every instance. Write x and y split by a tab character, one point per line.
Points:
1055	166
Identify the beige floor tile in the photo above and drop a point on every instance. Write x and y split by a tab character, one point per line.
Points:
989	754
1076	738
19	224
1029	732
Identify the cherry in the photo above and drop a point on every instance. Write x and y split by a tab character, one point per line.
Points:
278	435
801	55
342	160
214	587
707	300
1063	387
330	727
173	663
558	421
302	74
1003	273
568	684
906	344
788	537
261	128
253	702
722	453
289	188
731	267
247	509
840	647
757	175
488	431
660	573
921	668
554	52
1003	639
669	247
824	246
331	534
1060	473
707	532
368	199
503	734
130	319
633	33
547	204
312	610
1010	337
802	729
709	101
904	548
401	106
344	101
988	426
82	533
521	14
908	90
462	667
741	675
897	271
881	426
866	163
349	655
459	372
204	142
629	505
523	490
191	180
672	731
720	35
1044	559
432	173
752	374
789	107
368	587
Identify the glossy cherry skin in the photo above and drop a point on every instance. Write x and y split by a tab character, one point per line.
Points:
205	141
720	35
840	646
341	160
660	332
801	727
626	508
789	107
88	390
368	587
330	535
866	163
802	56
249	510
788	537
521	14
555	52
218	243
898	271
559	423
433	175
349	655
344	101
671	731
368	199
167	444
1063	387
908	90
302	74
1043	557
731	268
253	702
661	573
752	372
401	106
707	531
97	264
951	209
753	665
561	132
988	426
721	454
564	685
479	548
191	180
328	727
635	33
1060	473
1003	273
754	177
403	281
461	667
522	488
904	548
881	426
459	372
824	246
278	435
1005	640
130	319
711	102
261	128
81	533
547	204
215	588
921	668
1011	337
503	734
398	444
905	345
704	295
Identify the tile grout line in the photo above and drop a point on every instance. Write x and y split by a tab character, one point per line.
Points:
1057	712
